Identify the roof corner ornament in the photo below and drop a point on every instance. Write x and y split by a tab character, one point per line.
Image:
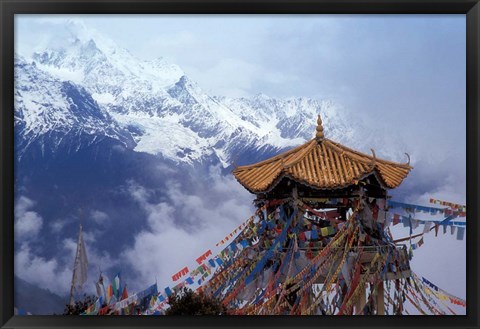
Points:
319	135
408	156
374	159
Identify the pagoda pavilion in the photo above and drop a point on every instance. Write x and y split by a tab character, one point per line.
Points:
321	169
320	245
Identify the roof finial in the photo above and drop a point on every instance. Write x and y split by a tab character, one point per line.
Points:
319	135
408	159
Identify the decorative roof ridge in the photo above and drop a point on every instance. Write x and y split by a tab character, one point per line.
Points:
378	160
308	146
275	158
322	164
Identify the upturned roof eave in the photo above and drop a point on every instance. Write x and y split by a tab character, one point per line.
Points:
307	147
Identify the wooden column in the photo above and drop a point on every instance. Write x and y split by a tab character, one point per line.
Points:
362	299
380	299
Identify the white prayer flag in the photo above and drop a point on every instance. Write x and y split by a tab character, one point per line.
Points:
427	227
80	268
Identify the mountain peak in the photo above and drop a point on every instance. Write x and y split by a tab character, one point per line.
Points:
163	110
262	96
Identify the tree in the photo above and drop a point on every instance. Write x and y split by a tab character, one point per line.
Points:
188	302
80	306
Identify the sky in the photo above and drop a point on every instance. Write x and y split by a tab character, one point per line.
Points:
403	75
391	70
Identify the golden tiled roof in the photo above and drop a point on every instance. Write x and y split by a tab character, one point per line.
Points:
322	164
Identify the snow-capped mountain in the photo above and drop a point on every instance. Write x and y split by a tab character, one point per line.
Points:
90	84
58	111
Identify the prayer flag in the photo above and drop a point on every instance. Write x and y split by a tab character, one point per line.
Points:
308	235
427	227
109	293
80	267
116	285
204	256
182	272
452	230
420	243
113	300
415	223
99	289
301	236
124	293
324	231
153	300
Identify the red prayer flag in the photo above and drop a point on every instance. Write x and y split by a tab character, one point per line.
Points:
178	275
124	293
204	256
103	310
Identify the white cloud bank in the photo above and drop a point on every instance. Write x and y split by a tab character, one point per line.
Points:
28	223
53	273
183	227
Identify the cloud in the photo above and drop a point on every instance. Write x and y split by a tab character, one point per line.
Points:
45	273
57	226
99	217
236	77
28	223
183	226
54	272
441	177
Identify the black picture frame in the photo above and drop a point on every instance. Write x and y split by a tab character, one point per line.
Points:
9	8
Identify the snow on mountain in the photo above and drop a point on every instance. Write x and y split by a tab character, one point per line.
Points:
47	106
294	119
159	107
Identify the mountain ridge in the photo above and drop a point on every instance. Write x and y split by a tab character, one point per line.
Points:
152	123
